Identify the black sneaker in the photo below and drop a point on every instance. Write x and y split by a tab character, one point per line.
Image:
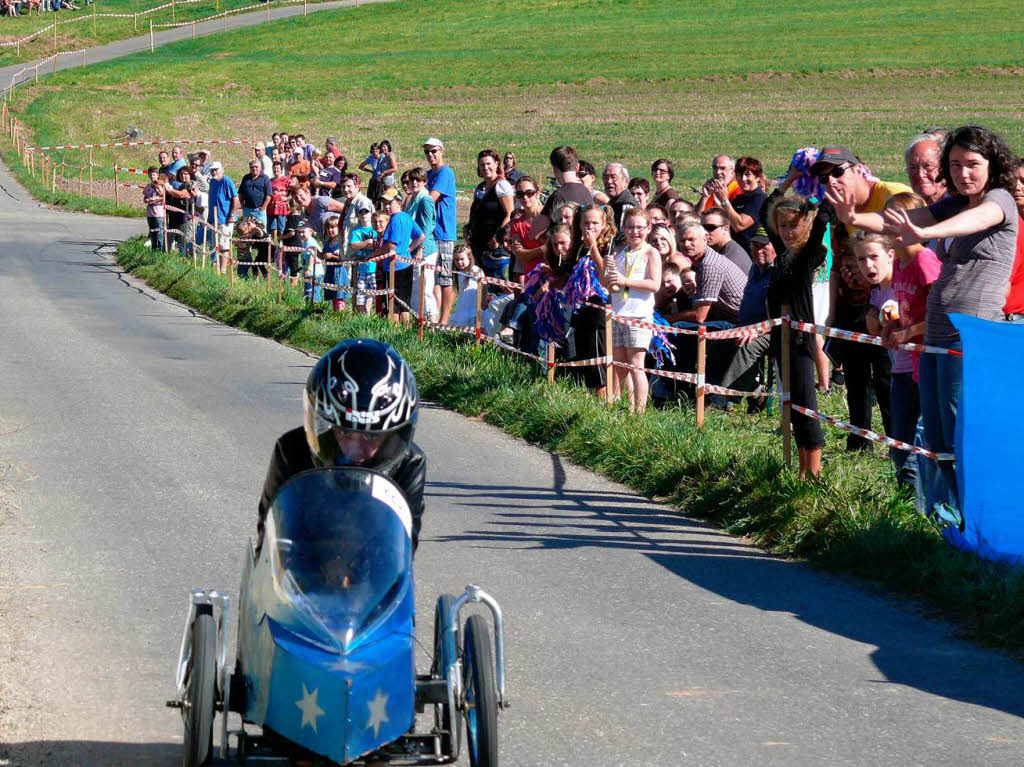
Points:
837	378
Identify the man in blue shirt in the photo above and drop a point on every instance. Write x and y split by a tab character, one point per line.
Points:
178	161
441	185
255	193
401	237
222	209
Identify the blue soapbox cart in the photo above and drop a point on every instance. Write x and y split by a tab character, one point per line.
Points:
325	673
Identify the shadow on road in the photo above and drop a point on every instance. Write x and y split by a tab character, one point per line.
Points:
910	649
89	753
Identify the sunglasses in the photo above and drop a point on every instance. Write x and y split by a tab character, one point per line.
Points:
712	227
836	172
431	151
526	193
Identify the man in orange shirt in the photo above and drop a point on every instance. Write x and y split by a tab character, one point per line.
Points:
721	186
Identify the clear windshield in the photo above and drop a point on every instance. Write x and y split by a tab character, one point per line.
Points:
341	550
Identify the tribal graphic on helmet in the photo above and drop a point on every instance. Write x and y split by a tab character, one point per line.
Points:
359	396
361	387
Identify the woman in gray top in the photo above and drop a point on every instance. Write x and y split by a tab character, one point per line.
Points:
976	231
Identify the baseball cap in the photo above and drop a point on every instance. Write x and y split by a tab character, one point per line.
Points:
434	142
760	237
216	166
833	155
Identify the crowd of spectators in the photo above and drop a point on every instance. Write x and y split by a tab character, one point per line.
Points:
827	239
25	7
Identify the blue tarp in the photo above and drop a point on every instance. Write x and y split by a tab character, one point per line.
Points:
989	437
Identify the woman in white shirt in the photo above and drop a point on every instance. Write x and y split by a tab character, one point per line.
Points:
633	283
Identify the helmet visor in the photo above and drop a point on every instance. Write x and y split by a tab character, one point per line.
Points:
337	446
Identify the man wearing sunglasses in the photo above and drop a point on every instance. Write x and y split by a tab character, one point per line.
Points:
716	224
852	191
849	187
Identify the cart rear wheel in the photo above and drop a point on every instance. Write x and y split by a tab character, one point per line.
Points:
200	684
446	647
481	695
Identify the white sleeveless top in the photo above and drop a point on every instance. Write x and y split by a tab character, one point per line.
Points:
633	266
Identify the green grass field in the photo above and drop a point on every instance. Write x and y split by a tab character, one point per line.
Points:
78	30
619	79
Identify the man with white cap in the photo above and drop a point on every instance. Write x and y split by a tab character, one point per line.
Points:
222	209
441	185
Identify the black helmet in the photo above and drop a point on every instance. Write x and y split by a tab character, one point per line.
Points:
360	406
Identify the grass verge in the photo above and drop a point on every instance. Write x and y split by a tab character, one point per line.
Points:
730	472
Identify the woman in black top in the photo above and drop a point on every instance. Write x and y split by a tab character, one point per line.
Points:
491	210
796	230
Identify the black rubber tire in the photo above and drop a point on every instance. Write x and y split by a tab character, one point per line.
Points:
445	718
200	690
481	692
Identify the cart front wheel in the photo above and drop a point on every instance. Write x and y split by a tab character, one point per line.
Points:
481	697
200	683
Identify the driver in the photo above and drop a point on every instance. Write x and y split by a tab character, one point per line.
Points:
359	409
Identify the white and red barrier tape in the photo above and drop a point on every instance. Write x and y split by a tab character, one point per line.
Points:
152	142
868	434
867	338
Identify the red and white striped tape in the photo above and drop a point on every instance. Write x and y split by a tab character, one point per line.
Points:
634	322
154	142
868	434
867	338
753	331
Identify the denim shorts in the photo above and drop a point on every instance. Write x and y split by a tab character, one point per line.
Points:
277	223
258	213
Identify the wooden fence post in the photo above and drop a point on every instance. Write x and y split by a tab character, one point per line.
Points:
481	286
423	308
151	44
90	171
81	173
117	191
53	181
94	4
609	371
787	448
391	288
136	21
551	363
701	364
167	235
174	16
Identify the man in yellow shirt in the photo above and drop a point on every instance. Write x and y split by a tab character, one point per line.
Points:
849	188
852	191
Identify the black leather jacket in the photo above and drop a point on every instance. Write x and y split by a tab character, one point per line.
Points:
292	456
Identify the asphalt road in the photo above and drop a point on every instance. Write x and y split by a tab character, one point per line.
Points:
138	433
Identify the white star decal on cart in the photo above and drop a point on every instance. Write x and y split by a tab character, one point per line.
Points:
311	710
378	712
